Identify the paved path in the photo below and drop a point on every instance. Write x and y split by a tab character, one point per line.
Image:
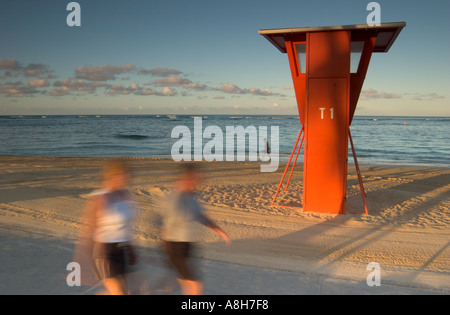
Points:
34	263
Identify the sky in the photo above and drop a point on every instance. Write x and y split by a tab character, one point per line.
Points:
205	57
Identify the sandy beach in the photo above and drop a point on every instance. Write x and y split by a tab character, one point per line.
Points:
406	232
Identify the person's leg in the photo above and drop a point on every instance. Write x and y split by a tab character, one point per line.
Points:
110	268
191	287
179	257
115	286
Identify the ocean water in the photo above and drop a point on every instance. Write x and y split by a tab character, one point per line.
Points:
423	141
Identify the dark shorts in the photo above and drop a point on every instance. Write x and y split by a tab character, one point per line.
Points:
109	260
179	258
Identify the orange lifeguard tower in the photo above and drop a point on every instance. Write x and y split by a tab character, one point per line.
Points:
328	67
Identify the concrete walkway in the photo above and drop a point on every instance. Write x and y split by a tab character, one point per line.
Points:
33	263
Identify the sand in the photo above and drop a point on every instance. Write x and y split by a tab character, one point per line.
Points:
406	232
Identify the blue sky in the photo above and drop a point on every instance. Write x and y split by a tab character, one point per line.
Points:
204	56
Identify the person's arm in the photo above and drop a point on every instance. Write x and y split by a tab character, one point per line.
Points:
132	255
89	217
203	219
220	232
207	222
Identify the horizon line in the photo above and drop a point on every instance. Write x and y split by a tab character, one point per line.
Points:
174	114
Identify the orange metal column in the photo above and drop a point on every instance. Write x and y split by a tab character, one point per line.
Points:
326	122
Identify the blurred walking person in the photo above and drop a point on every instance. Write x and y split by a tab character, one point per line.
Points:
180	228
106	235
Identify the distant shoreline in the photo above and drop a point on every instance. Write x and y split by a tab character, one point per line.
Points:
203	114
256	163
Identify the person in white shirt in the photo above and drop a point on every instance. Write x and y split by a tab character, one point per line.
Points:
109	213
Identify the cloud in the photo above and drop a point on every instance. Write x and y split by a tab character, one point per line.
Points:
102	73
426	97
75	85
146	92
373	94
265	92
11	67
18	89
40	82
168	91
134	86
59	92
181	82
9	64
231	89
234	89
35	69
172	81
88	79
196	86
120	89
160	72
72	84
10	73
